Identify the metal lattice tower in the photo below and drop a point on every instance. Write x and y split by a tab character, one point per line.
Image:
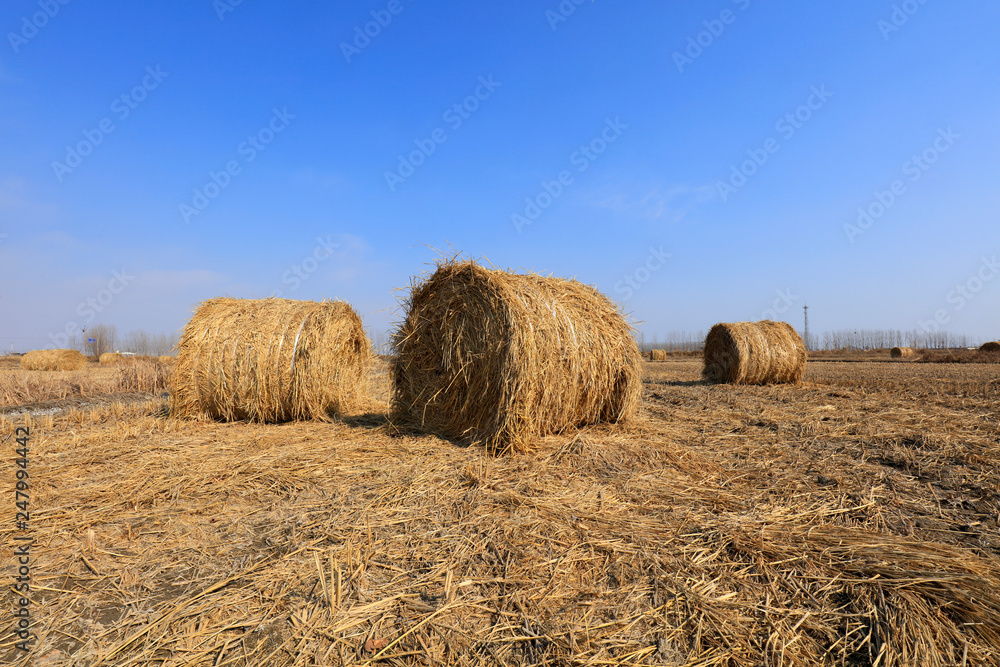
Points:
805	312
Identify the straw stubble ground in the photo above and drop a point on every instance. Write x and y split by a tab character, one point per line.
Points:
851	517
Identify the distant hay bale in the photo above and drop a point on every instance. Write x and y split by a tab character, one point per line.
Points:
504	358
754	353
53	360
902	352
657	355
992	346
110	359
270	360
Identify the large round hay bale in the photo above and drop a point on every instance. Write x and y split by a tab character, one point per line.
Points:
992	346
754	353
53	360
657	355
502	358
270	360
902	352
110	359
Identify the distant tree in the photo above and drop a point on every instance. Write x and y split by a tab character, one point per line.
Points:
99	339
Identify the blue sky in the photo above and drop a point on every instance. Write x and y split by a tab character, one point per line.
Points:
698	163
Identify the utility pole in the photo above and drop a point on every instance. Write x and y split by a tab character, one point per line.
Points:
805	312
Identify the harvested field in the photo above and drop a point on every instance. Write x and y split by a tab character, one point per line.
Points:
849	520
18	387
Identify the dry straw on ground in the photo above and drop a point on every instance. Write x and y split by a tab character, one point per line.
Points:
657	355
53	360
167	359
110	359
140	374
992	346
270	360
504	358
849	521
754	353
902	352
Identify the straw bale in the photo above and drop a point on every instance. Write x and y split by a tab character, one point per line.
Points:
270	360
53	360
992	346
901	352
754	353
110	359
503	358
657	355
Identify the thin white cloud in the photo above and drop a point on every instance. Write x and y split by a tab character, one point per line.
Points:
671	203
17	206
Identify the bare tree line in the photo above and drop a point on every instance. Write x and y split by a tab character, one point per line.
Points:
843	339
105	338
102	338
868	339
674	341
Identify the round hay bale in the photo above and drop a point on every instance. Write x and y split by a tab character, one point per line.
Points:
657	355
902	352
270	360
53	360
992	346
754	353
110	359
503	358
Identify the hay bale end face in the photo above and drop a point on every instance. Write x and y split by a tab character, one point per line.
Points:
270	360
992	346
503	358
657	355
53	360
754	353
110	359
902	352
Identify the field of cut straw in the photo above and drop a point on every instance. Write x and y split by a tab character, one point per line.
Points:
848	520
